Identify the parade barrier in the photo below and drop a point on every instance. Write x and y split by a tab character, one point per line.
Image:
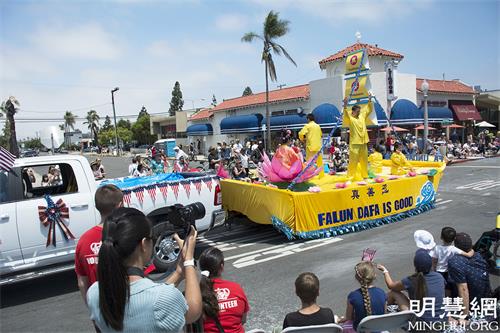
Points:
332	206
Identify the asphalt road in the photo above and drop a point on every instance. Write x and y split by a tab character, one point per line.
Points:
266	264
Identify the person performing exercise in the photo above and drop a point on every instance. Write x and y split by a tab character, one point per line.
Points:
311	133
356	119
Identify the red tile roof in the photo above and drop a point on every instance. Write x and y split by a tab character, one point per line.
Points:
286	94
448	87
202	114
372	51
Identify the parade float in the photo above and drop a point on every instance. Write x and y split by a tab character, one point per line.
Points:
301	204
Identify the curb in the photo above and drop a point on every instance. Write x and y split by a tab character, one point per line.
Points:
470	160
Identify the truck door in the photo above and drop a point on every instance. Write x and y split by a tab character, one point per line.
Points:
10	249
44	243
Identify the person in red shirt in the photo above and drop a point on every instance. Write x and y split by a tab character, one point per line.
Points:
107	198
225	305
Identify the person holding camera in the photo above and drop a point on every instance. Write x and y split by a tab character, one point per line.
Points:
122	299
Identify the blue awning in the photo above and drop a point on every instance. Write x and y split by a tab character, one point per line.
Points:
381	116
241	124
405	112
439	114
200	130
327	115
292	121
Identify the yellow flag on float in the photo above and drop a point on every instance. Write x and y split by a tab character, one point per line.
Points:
354	60
360	88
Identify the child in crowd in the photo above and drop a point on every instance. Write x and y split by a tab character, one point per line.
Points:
442	253
107	198
425	241
375	160
367	300
225	305
310	313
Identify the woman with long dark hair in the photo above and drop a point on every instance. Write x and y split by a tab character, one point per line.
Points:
423	283
122	299
225	305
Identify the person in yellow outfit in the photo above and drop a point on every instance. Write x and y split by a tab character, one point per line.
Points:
355	119
311	134
375	160
400	164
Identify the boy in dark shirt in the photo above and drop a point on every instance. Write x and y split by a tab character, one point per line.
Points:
310	313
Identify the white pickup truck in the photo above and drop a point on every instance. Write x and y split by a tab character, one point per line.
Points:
36	241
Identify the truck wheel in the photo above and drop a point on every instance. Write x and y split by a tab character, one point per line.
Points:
165	251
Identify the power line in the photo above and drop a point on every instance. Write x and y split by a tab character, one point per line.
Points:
70	110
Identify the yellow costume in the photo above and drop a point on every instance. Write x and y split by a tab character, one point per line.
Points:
400	164
375	160
358	138
311	132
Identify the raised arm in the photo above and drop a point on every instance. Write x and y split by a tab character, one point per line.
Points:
391	284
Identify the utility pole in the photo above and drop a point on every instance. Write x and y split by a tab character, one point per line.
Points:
114	117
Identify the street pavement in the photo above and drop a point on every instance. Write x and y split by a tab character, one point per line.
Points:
266	264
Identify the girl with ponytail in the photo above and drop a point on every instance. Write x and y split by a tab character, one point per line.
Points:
367	300
122	299
423	283
225	305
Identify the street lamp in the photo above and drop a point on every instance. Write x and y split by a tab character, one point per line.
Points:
193	100
114	117
425	90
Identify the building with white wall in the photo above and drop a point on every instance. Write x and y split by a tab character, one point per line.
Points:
244	117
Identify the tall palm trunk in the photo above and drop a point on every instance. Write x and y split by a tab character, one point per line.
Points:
14	149
268	115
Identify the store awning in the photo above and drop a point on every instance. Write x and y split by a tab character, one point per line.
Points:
241	124
200	130
292	121
381	116
465	111
438	114
405	112
327	115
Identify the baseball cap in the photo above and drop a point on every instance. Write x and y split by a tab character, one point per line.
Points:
424	239
463	241
176	148
422	261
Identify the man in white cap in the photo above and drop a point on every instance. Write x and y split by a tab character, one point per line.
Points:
179	153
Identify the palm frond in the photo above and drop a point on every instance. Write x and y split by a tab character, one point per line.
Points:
274	27
250	36
271	68
282	49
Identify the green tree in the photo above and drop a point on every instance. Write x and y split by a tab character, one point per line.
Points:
10	107
214	100
106	136
124	123
273	29
143	112
176	103
93	124
141	130
69	123
107	124
247	91
4	137
33	143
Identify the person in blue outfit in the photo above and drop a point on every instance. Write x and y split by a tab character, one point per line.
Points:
424	283
367	300
123	299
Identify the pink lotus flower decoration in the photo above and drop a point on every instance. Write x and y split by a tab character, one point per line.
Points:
275	171
379	180
314	189
340	185
412	174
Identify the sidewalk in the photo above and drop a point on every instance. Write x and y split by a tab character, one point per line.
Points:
469	159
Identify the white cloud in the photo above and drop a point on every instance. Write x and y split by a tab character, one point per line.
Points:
87	41
336	11
231	22
160	48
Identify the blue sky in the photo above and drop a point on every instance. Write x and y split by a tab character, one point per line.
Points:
68	55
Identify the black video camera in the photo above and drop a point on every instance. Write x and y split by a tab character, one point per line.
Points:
186	216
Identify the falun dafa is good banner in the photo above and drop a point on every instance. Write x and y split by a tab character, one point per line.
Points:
354	60
360	88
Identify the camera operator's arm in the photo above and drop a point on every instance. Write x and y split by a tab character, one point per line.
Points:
192	293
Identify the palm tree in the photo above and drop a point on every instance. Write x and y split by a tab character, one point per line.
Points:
69	123
93	124
273	29
10	107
